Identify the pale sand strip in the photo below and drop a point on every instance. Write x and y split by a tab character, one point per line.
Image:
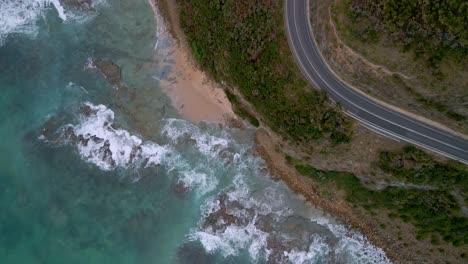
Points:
193	94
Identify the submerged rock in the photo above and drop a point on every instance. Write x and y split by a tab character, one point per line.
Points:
180	188
109	69
48	128
86	110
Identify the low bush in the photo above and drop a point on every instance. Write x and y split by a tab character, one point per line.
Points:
242	42
433	211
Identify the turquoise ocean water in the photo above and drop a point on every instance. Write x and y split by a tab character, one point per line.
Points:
92	173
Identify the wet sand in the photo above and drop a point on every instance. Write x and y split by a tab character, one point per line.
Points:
192	92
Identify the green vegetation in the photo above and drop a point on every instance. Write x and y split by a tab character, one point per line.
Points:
242	42
412	165
432	29
433	211
242	113
429	101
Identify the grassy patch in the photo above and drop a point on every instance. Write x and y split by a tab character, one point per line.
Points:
242	42
412	165
432	29
367	26
428	101
434	212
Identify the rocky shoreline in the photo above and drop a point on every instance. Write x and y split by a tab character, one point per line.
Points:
281	170
267	147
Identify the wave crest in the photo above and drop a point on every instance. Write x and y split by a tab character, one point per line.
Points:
100	142
254	221
20	17
108	148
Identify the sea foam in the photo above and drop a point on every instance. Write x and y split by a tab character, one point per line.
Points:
20	17
251	215
235	222
177	130
108	148
100	142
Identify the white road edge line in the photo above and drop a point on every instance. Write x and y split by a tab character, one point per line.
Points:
373	102
340	95
372	127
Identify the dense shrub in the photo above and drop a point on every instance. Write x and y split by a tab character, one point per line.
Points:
415	166
434	211
242	42
431	28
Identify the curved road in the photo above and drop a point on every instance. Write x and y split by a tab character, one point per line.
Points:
380	119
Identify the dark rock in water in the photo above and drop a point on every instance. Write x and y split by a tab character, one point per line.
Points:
135	154
285	234
107	153
193	253
109	69
222	218
86	110
69	134
82	140
180	188
265	223
227	155
187	139
96	139
49	128
277	249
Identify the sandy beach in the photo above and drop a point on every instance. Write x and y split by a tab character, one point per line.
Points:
192	92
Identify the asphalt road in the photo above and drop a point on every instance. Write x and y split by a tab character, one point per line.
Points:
370	113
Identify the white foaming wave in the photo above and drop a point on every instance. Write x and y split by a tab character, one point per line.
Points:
204	181
125	149
350	246
233	239
154	153
210	206
20	16
99	143
357	248
89	65
317	249
354	246
177	129
268	201
60	10
84	15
